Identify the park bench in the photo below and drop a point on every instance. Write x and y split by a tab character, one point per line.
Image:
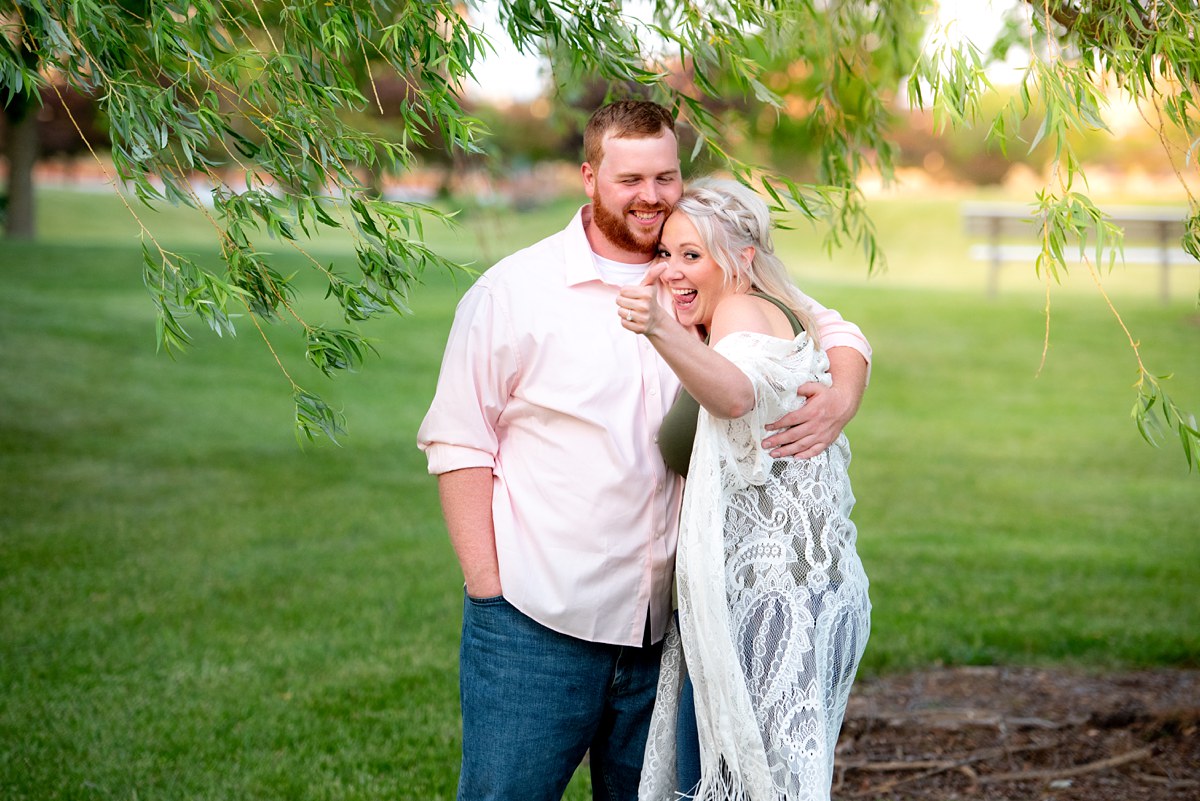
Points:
1152	236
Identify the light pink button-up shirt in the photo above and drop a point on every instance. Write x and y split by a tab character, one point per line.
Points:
541	384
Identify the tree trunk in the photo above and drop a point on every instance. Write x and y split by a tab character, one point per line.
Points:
21	147
22	151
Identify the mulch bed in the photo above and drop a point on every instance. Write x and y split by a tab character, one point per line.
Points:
1018	734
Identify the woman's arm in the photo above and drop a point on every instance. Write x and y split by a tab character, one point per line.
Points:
716	383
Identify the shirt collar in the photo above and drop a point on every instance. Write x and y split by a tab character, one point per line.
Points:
580	264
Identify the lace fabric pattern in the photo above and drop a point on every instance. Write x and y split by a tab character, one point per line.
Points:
773	604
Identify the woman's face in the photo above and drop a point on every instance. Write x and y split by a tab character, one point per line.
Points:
696	281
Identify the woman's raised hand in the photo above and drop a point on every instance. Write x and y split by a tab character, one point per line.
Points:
638	305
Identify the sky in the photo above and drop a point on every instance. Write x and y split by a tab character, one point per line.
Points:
509	75
506	74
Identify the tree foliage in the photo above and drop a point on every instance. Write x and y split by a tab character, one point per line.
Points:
253	98
1080	49
273	105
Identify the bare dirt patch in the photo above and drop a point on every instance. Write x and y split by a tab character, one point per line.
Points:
1022	734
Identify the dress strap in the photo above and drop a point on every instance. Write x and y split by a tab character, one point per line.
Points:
797	326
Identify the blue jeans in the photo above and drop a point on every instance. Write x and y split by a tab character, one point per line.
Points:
687	740
535	701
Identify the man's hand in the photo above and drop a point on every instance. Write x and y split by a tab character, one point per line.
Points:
813	427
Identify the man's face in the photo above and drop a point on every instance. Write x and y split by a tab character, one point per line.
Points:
633	190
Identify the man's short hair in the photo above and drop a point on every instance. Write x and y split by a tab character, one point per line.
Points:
624	119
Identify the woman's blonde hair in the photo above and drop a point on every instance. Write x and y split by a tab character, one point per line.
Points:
729	218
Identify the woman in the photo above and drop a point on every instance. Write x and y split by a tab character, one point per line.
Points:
773	605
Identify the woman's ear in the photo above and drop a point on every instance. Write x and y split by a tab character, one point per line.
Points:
745	259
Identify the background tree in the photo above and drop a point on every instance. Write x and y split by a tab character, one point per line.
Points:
20	129
253	98
265	102
62	125
1079	48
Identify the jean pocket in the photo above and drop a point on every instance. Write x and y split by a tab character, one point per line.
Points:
492	600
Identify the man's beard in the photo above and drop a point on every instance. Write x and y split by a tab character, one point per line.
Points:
618	232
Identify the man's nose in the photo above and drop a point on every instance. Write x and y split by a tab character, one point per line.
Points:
648	193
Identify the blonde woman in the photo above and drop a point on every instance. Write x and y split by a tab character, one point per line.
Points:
773	605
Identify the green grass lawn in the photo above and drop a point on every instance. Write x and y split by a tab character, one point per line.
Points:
191	606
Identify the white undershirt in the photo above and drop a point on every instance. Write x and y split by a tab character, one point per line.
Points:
618	273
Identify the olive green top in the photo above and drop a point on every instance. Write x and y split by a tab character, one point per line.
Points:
678	431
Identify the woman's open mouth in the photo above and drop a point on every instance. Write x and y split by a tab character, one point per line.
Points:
684	298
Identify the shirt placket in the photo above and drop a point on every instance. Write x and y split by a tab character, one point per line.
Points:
658	392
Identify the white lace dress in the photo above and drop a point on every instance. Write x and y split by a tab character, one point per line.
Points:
773	605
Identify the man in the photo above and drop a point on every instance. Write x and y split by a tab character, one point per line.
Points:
559	506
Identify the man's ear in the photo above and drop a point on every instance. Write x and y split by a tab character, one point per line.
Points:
589	179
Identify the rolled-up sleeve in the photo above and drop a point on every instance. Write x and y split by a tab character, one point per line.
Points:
837	332
478	372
